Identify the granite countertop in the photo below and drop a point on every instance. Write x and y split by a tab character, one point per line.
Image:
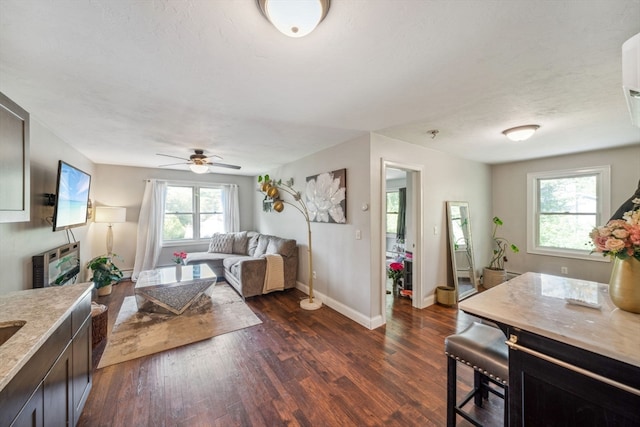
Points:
43	310
536	303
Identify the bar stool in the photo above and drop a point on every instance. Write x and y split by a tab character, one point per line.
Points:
483	348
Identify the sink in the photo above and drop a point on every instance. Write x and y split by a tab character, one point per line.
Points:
8	329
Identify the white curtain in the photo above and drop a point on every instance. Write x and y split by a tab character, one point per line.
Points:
230	208
149	242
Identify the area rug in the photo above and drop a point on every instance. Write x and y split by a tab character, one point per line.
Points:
137	334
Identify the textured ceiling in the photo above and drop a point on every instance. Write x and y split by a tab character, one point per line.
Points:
123	80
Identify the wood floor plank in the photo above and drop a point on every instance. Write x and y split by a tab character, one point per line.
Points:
297	368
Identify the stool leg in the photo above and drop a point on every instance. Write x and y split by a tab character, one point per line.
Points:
479	385
451	392
506	406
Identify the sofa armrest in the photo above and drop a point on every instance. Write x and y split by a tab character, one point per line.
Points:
251	276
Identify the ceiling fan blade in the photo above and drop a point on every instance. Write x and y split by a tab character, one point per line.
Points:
173	164
175	157
223	165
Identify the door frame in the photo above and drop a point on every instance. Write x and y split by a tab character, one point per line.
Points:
418	209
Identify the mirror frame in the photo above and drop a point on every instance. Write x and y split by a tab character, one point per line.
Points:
469	250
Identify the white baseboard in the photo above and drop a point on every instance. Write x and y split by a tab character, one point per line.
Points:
357	317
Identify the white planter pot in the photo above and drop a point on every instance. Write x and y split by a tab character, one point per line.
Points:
491	278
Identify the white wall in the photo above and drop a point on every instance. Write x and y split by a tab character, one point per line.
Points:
444	178
21	240
124	186
342	263
510	203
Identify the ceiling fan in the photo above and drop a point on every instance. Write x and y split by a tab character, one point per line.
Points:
199	162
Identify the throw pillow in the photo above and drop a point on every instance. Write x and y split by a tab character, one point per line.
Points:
240	243
261	249
221	243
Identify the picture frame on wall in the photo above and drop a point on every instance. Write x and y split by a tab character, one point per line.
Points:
326	197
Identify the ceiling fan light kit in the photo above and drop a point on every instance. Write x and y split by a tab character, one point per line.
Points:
294	18
198	162
520	133
196	168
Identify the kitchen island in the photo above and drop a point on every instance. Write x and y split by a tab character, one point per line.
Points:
45	372
568	364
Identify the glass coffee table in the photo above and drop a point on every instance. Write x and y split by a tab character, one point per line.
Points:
159	291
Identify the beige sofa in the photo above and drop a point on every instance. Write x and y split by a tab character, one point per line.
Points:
240	259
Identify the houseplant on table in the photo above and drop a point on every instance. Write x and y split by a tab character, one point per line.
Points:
620	240
495	273
105	273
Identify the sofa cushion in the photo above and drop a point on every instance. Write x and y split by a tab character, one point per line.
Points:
240	241
221	243
252	243
261	248
280	246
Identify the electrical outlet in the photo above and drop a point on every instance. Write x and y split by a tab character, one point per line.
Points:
314	274
358	235
564	270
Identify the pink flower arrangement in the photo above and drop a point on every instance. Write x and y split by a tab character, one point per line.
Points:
394	272
179	257
620	238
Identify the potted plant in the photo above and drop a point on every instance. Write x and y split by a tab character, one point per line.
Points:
105	273
495	273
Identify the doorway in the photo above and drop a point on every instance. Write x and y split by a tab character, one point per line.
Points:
400	236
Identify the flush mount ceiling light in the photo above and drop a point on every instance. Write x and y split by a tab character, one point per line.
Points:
199	168
295	18
520	133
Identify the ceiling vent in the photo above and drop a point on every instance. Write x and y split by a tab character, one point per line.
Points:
631	76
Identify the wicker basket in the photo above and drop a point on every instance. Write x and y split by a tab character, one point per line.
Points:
446	295
99	327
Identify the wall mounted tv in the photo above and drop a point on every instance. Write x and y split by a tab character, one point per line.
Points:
72	197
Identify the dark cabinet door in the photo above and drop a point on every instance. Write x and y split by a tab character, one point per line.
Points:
31	413
58	407
82	373
547	389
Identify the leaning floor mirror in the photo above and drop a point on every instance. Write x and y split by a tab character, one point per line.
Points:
460	243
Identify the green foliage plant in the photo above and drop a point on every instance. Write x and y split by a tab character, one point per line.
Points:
104	271
500	246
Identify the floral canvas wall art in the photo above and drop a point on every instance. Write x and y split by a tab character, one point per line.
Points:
326	196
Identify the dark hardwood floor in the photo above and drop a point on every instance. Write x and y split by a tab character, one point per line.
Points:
298	368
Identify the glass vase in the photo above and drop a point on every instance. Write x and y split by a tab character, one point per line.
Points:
624	285
178	272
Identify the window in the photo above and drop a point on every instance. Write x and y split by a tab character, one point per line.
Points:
563	208
192	212
393	207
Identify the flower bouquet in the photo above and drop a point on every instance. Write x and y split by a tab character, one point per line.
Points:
179	257
395	271
619	238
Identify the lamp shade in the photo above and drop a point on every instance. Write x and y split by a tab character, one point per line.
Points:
295	18
110	214
520	133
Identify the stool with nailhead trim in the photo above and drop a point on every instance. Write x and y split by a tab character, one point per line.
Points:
483	348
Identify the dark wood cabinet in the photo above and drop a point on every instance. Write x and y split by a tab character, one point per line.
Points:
52	388
31	414
81	380
555	384
57	406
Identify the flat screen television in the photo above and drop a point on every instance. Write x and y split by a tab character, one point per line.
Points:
72	197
